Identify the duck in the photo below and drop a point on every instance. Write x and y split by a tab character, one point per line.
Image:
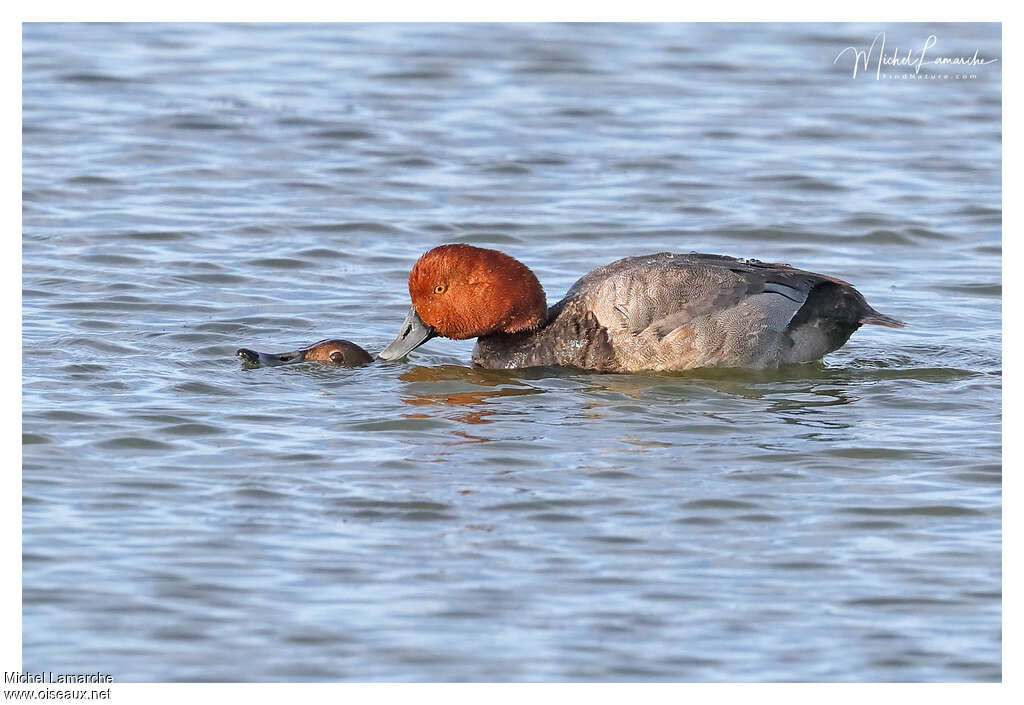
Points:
333	351
657	312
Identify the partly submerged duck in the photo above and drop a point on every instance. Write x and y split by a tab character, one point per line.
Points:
655	312
333	351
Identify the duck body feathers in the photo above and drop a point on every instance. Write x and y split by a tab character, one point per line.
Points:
670	311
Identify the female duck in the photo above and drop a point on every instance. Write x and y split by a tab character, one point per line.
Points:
333	351
655	312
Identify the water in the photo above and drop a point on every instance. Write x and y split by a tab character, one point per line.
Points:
190	189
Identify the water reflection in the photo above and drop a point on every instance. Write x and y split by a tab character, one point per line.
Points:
446	373
445	389
796	395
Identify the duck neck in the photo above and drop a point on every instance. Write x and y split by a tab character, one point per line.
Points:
510	350
568	336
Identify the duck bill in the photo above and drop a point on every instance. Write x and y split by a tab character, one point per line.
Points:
252	357
414	333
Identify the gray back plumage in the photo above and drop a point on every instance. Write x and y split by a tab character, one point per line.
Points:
680	311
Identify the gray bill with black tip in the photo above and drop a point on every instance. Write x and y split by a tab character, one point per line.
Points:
270	359
414	333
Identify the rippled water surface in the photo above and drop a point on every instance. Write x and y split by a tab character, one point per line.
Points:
192	189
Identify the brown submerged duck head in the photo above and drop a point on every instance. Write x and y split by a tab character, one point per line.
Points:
331	352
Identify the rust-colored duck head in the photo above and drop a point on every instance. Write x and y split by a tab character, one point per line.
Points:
332	352
461	291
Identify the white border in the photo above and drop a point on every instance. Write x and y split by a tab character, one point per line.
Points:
531	10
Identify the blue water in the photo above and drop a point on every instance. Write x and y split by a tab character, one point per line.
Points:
191	189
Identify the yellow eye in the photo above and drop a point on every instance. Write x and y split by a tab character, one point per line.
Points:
440	289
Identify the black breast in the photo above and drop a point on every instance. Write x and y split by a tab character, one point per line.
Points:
572	337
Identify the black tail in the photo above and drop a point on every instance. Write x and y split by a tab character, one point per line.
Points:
835	310
880	319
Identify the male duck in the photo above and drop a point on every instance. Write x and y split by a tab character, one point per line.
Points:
654	312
